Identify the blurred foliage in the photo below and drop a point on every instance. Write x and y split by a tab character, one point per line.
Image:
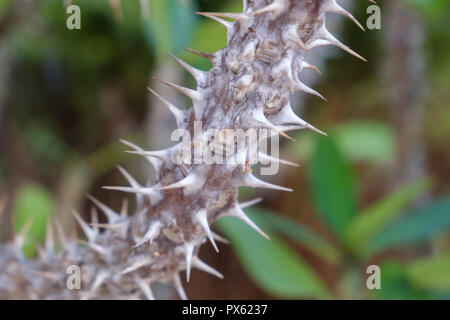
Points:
32	208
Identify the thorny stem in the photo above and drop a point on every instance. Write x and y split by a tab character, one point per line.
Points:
248	87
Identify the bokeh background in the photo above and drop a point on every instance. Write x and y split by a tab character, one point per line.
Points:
374	192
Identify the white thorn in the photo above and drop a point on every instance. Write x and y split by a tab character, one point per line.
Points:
298	85
250	203
219	238
210	56
188	252
152	232
94	220
88	231
268	158
202	218
144	285
110	214
259	117
177	113
179	287
124	209
333	6
226	24
249	180
190	184
306	65
200	76
132	183
60	232
326	38
237	212
155	161
192	94
141	262
97	248
49	239
20	237
199	264
286	115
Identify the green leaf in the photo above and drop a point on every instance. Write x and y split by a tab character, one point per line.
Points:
332	186
358	141
432	9
430	273
420	225
36	203
271	263
171	25
301	234
365	140
373	219
395	284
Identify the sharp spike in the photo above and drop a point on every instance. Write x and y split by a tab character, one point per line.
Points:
200	76
179	287
134	184
191	183
302	87
237	212
154	195
268	158
155	161
199	264
141	262
210	56
110	214
177	113
328	39
306	65
97	248
90	234
189	252
333	6
144	285
152	232
124	210
159	154
49	239
240	17
20	237
286	115
226	24
94	219
202	218
192	94
146	191
249	180
60	232
250	203
259	117
219	238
